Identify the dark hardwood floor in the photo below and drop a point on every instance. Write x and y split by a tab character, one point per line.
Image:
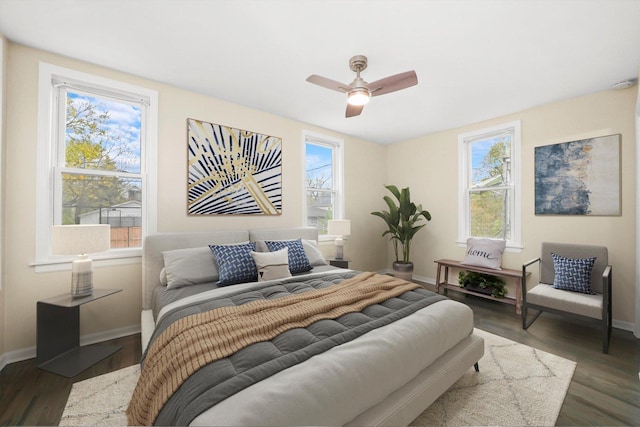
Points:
605	389
31	396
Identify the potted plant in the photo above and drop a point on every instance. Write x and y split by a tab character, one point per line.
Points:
403	219
483	283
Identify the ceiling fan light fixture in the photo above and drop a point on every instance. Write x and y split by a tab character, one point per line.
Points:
358	96
359	91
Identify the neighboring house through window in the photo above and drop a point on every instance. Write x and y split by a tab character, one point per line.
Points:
489	184
324	193
96	158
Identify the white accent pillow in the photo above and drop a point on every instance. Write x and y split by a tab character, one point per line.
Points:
485	253
272	265
189	266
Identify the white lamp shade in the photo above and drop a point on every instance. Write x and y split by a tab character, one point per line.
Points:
80	239
339	227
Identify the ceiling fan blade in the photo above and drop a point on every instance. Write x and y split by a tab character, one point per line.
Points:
393	83
353	110
328	83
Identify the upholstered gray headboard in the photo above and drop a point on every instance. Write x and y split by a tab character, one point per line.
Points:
154	245
283	233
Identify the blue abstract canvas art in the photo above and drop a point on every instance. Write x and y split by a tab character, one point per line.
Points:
578	177
233	171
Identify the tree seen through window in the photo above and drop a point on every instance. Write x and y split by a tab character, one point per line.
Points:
101	181
490	186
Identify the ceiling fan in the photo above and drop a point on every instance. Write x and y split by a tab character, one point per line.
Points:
359	91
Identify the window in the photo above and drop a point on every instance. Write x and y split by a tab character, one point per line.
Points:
96	161
489	184
324	199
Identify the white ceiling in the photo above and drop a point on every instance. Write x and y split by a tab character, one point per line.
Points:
475	59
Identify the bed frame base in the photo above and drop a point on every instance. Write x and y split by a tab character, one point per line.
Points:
405	404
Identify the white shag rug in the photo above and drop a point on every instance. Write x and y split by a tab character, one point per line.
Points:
517	386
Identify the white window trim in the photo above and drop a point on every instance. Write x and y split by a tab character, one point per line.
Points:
338	167
514	244
48	73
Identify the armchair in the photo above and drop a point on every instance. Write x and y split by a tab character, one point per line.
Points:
571	260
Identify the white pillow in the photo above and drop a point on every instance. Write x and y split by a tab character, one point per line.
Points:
311	250
189	266
272	265
485	253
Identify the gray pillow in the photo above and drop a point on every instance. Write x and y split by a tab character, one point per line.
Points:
313	253
189	266
485	253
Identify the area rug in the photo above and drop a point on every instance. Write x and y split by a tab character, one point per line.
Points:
517	386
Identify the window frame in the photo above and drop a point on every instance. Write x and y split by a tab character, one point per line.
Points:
337	149
464	170
50	135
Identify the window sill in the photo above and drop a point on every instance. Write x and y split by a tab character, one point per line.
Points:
511	247
64	263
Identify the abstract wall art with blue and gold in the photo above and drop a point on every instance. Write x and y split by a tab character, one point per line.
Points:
578	177
232	171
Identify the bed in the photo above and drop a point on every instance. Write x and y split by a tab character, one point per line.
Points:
384	375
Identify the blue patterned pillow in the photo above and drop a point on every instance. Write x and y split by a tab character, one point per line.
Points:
235	263
298	261
573	274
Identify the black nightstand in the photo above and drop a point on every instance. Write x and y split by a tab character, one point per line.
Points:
339	262
58	335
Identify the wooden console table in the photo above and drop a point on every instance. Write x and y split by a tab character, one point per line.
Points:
507	273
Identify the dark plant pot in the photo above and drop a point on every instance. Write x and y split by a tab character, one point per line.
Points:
487	291
403	270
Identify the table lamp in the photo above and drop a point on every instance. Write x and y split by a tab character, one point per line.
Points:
339	228
80	240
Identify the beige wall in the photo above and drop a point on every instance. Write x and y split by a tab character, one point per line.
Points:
3	91
365	169
429	166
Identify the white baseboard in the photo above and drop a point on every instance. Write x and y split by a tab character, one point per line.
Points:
625	326
109	335
30	352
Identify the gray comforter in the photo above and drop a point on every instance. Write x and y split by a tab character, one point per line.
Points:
225	377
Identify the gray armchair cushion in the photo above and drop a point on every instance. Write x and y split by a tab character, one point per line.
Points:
571	302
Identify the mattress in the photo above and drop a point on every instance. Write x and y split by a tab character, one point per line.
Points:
349	379
335	387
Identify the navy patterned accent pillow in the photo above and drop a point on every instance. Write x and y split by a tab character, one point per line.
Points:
573	274
298	261
235	263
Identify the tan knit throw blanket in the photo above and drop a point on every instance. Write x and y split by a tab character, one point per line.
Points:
199	339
